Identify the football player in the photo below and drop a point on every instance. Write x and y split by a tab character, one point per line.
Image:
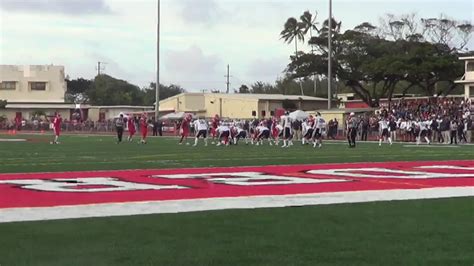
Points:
384	131
319	130
223	132
287	131
201	128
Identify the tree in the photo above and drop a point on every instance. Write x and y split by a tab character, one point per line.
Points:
263	88
3	104
293	31
165	92
288	105
106	90
76	90
375	62
309	24
243	89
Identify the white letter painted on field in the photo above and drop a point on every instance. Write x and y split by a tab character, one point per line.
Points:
383	173
74	185
250	179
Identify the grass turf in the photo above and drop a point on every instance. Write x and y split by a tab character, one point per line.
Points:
428	232
79	153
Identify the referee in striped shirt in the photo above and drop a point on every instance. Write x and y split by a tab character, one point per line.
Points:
119	124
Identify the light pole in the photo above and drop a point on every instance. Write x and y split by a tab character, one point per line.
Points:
330	54
157	90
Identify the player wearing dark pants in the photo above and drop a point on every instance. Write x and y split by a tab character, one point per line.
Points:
351	137
119	124
241	134
352	125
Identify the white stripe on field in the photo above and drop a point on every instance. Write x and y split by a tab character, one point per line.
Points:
428	146
177	206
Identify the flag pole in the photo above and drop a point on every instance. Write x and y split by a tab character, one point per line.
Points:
157	90
330	54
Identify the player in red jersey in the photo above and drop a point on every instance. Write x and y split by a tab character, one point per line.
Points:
131	128
214	124
57	128
184	131
143	129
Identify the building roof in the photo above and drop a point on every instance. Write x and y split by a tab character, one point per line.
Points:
18	105
56	105
270	97
466	58
122	107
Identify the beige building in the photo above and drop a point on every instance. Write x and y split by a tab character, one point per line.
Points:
32	83
238	105
468	79
67	110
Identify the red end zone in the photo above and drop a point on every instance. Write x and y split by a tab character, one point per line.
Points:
176	190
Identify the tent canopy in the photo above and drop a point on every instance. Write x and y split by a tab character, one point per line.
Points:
176	116
124	116
298	115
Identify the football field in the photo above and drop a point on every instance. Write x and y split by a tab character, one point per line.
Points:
91	201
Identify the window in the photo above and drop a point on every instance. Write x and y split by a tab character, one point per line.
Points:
471	91
38	86
263	113
8	85
470	67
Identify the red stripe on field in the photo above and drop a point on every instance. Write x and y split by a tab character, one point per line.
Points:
15	196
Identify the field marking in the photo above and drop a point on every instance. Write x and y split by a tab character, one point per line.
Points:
253	202
236	166
121	160
12	140
428	146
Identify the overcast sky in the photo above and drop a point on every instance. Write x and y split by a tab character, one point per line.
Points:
198	37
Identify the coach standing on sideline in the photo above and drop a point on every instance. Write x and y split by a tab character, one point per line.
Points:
119	124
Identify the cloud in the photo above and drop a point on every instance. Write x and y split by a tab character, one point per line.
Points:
193	69
202	11
266	69
67	7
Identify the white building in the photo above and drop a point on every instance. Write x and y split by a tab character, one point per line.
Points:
468	79
33	88
32	84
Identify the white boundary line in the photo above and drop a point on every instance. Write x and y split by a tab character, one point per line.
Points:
193	205
240	166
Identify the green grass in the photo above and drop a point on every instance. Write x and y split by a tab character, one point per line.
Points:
426	232
78	153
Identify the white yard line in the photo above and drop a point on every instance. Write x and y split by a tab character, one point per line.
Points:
428	146
193	205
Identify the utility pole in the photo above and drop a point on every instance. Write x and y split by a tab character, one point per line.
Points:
157	90
228	78
330	54
99	67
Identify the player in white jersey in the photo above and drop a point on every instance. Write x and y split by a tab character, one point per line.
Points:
263	132
277	134
307	131
200	127
239	133
287	131
319	130
223	132
384	131
424	127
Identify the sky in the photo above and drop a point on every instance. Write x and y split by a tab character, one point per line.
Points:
198	39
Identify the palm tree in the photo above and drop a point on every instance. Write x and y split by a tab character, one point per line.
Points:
309	24
293	31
